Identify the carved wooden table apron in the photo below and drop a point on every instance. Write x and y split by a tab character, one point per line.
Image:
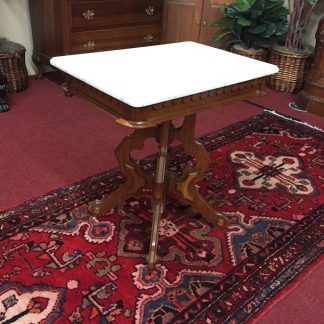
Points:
155	121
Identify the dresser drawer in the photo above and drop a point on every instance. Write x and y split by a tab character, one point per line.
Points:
88	15
114	38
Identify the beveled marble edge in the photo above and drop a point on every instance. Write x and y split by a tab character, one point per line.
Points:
149	75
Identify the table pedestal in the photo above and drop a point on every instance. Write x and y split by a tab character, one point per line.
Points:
163	181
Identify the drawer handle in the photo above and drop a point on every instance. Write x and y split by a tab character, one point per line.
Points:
148	38
89	14
150	10
90	45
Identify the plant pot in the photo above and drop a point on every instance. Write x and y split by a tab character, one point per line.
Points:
258	54
293	67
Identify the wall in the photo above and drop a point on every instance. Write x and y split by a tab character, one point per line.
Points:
317	14
15	25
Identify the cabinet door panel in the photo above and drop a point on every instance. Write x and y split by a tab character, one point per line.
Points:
211	11
182	20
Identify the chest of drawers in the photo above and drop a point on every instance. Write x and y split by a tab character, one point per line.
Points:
62	27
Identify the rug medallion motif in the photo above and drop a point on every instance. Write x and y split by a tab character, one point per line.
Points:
60	265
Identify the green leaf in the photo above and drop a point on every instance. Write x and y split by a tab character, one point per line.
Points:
255	13
269	4
277	13
243	5
282	13
244	22
270	30
254	22
233	41
237	30
312	2
220	35
224	23
233	12
223	9
281	28
259	4
257	9
258	29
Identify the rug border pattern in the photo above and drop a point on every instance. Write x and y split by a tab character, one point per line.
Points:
41	209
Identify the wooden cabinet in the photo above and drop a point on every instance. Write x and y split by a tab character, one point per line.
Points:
191	20
68	26
312	96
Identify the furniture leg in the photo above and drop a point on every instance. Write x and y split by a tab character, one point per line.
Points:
159	192
38	63
185	185
135	177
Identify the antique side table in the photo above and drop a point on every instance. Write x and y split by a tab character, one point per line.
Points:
146	88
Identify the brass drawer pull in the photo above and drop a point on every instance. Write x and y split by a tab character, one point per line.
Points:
150	10
89	14
89	45
148	38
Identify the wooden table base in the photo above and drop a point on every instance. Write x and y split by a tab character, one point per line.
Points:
163	181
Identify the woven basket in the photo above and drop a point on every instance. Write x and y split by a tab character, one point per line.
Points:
12	66
258	54
293	68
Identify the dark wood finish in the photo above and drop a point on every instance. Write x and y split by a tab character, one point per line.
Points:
182	20
115	13
160	190
312	96
191	20
114	38
62	27
210	12
154	121
154	114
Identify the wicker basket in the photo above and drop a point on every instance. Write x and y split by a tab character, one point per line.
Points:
293	68
12	66
258	54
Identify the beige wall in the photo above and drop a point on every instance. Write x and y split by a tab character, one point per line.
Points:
15	25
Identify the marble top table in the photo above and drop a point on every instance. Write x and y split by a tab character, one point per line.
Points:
146	88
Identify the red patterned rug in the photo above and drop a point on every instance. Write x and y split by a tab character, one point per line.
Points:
59	265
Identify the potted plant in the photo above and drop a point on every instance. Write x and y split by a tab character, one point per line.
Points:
293	57
252	25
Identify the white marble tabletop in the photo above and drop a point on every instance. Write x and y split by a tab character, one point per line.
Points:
148	75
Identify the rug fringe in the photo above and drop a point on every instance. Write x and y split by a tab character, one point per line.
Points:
292	119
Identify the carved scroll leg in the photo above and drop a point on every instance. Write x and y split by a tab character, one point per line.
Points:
186	184
135	177
66	86
159	193
201	205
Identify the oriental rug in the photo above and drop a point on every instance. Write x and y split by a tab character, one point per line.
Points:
60	265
